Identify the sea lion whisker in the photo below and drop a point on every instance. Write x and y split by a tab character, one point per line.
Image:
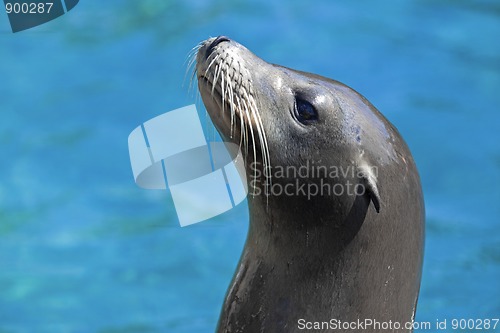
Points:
231	102
265	148
211	63
263	144
247	112
216	77
191	61
243	127
222	93
191	80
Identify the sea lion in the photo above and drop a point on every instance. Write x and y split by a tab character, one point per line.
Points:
318	256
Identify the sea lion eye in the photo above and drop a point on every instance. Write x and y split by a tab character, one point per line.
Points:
304	111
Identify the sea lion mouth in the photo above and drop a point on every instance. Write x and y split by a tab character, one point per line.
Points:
215	92
226	87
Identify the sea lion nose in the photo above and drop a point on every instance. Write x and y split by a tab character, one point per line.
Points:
214	43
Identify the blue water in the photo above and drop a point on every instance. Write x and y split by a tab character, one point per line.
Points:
82	249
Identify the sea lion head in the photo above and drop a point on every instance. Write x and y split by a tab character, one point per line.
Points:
286	120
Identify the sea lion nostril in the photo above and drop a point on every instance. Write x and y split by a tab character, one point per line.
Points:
216	42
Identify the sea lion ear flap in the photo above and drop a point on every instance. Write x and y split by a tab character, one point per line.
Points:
370	182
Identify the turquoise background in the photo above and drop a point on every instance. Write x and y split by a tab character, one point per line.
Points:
82	249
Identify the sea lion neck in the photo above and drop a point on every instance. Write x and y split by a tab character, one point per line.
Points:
300	227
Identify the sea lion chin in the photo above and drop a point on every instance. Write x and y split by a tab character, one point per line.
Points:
336	207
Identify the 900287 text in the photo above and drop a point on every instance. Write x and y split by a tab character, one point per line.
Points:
28	8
